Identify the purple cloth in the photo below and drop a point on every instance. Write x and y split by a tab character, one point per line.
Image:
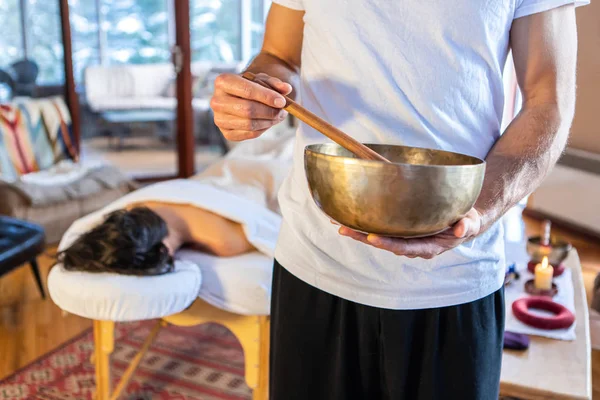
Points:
515	341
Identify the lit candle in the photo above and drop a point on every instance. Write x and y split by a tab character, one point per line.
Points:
543	275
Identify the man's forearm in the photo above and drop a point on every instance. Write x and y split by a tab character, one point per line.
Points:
522	158
276	67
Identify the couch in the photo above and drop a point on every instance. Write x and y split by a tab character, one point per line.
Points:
151	87
42	179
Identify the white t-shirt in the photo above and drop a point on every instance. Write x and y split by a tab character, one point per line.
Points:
408	72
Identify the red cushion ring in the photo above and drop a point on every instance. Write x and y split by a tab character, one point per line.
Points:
563	318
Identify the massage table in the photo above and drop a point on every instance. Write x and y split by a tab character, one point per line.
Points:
234	292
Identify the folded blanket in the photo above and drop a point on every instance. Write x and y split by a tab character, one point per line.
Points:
62	173
81	182
242	187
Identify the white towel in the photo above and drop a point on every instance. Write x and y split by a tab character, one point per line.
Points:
242	187
565	296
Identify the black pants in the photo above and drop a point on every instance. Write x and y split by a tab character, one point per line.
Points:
327	348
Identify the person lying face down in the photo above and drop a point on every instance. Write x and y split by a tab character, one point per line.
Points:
142	239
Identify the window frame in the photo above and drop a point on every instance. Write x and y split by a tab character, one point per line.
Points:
246	51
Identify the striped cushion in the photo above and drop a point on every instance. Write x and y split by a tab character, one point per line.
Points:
34	135
59	128
17	141
7	169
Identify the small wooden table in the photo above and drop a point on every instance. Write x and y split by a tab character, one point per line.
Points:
553	369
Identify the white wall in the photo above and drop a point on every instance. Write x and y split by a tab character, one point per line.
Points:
570	194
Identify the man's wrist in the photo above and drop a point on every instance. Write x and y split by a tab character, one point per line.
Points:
487	218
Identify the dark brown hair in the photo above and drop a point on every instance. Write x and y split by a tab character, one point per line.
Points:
128	242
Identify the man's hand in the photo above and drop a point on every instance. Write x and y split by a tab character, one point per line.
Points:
243	109
427	247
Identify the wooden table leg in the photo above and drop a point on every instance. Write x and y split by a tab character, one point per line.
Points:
128	374
103	347
261	392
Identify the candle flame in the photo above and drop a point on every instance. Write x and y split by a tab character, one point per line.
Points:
545	262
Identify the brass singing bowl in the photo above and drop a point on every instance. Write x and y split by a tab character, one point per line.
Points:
556	252
420	193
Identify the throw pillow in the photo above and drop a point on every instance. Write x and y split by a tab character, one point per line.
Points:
7	169
40	143
16	141
34	135
59	129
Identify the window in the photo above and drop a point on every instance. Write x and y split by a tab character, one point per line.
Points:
126	31
136	31
40	41
84	35
44	40
227	30
216	30
11	41
259	11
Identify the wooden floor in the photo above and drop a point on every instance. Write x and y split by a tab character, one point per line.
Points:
31	327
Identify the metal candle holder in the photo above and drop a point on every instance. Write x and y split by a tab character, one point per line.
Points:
531	289
542	246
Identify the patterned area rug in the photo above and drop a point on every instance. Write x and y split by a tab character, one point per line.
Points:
202	362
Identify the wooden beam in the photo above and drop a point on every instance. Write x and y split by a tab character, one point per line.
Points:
185	116
70	93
